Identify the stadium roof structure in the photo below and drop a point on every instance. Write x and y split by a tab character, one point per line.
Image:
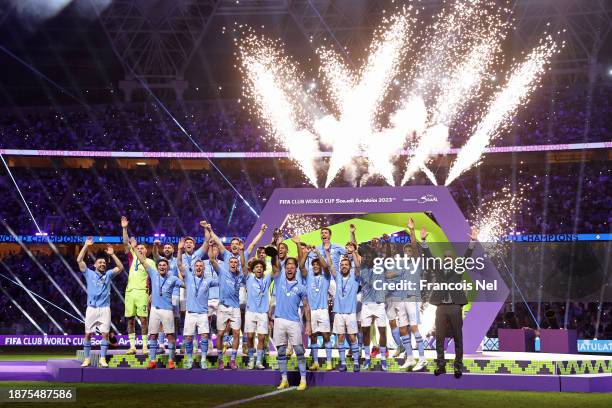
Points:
185	47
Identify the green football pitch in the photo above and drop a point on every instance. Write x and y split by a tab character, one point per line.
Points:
179	395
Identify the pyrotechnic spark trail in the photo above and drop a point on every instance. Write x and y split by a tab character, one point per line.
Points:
359	96
446	75
276	86
522	82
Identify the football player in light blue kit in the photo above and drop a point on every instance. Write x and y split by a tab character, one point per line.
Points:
403	306
98	313
317	278
373	312
168	253
231	279
197	288
162	286
257	308
336	251
290	292
345	306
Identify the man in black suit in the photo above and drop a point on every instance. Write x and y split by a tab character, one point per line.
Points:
449	305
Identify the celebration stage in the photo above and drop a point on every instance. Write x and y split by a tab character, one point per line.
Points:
483	371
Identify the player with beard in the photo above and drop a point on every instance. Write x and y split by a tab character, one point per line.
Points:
345	306
316	277
230	280
98	313
136	296
179	292
196	319
162	286
287	328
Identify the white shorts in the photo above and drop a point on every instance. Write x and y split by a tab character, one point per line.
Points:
196	323
213	307
287	332
255	322
183	296
345	323
406	313
176	310
99	317
228	314
371	311
242	296
320	321
161	316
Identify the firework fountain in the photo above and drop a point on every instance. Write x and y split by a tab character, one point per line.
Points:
443	75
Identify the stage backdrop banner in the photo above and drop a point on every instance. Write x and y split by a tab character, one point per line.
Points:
435	200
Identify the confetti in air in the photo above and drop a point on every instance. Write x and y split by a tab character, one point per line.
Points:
300	224
441	77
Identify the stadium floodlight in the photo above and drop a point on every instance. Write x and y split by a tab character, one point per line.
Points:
41	234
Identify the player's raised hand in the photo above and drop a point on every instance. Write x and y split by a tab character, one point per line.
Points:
410	223
424	234
124	222
240	246
157	242
133	242
263	228
352	228
203	224
181	244
89	241
109	250
474	233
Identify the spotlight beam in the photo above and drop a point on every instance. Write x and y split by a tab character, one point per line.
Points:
167	111
21	309
30	293
43	270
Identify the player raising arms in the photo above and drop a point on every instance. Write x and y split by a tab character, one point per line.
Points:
345	306
257	308
178	296
230	279
403	305
287	331
98	313
162	286
136	297
196	319
317	278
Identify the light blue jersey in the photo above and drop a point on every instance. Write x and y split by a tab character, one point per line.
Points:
317	288
289	294
161	289
98	287
227	255
173	270
210	274
258	293
368	293
198	290
345	300
336	251
190	260
404	275
229	286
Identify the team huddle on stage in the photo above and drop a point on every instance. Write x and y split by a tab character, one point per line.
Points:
256	291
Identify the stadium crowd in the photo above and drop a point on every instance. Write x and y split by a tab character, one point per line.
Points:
227	126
